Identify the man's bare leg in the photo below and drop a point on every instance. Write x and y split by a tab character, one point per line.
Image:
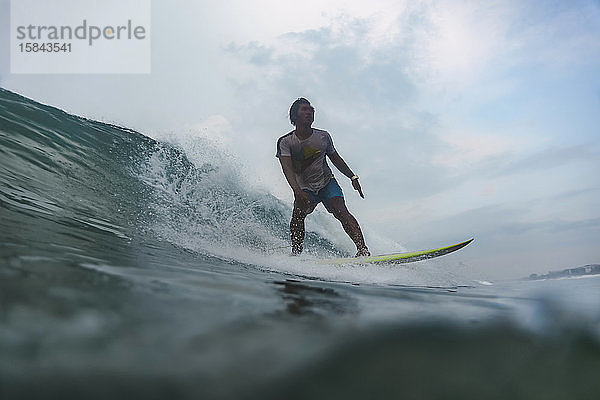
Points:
297	229
350	224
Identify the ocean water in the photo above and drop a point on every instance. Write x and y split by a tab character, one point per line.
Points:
133	268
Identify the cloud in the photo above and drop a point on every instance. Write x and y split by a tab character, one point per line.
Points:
334	61
559	36
492	158
501	225
549	159
516	228
594	191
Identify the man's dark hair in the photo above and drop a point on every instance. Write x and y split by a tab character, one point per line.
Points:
294	109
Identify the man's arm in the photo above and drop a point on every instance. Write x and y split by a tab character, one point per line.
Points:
290	176
288	171
340	164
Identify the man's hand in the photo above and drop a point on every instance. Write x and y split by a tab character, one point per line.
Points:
356	186
340	164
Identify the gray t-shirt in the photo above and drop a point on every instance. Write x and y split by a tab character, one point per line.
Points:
308	158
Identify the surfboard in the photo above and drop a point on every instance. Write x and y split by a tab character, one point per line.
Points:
398	258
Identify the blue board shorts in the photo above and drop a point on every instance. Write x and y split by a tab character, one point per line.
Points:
332	189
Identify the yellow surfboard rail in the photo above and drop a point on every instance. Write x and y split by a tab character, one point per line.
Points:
397	258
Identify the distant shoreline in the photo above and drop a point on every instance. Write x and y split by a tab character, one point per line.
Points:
590	269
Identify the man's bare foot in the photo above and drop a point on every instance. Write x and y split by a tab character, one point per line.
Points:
363	252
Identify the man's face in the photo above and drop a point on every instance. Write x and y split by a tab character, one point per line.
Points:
306	114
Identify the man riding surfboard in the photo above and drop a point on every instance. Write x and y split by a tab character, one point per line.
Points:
301	153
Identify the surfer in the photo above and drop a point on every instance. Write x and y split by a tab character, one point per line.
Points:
301	153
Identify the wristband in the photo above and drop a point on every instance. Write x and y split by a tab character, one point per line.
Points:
354	177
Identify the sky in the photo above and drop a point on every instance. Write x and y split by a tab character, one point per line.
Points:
462	118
